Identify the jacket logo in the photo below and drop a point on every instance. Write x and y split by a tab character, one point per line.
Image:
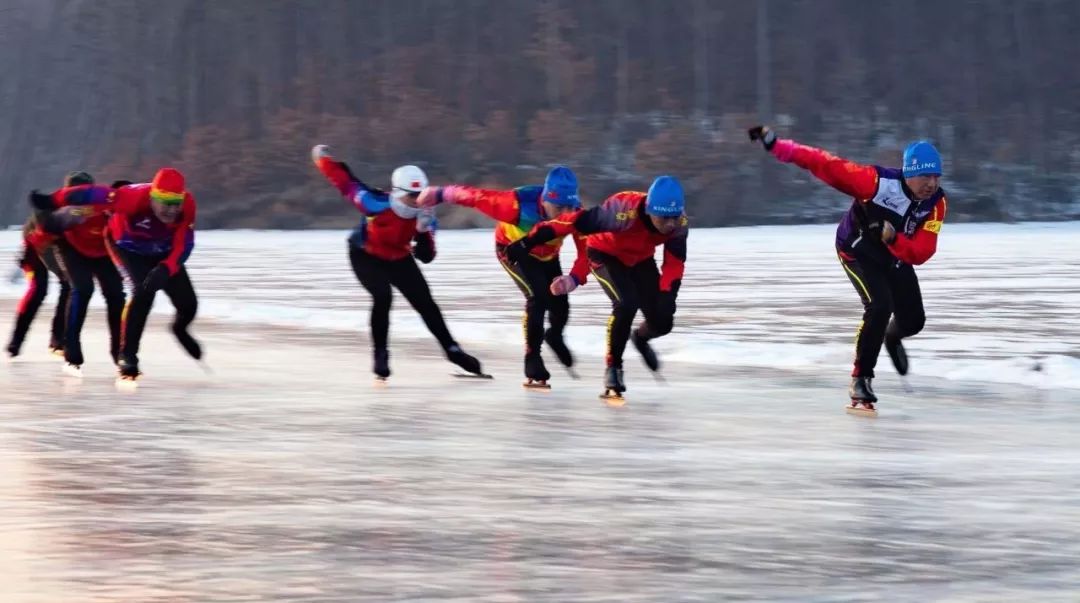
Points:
933	226
144	223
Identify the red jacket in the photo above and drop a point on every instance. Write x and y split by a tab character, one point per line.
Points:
383	232
620	227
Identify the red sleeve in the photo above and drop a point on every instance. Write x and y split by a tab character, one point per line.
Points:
180	235
338	175
671	271
580	269
499	205
920	247
859	181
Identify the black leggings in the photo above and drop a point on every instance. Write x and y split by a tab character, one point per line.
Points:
80	271
378	275
533	277
630	288
892	305
37	270
181	293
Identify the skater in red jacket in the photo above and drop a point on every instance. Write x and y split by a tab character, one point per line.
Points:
37	261
892	225
539	276
621	237
393	231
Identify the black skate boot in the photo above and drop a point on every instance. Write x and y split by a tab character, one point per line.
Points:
468	363
381	366
129	367
862	396
536	374
558	346
73	358
896	351
188	342
613	383
646	350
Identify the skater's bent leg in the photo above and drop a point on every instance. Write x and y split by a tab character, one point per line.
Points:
614	278
909	316
182	295
659	319
112	289
405	275
873	288
372	274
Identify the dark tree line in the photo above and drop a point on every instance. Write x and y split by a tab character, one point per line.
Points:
494	91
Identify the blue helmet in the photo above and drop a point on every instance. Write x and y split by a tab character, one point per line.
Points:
561	188
921	158
665	198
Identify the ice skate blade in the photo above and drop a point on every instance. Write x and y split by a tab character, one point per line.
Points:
127	384
72	370
613	399
861	411
543	386
472	376
382	381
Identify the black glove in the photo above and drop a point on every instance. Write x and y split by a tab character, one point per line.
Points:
764	134
518	250
156	279
41	201
119	183
881	230
424	249
665	303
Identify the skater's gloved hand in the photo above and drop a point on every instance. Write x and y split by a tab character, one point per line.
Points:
430	196
518	250
563	284
665	303
764	134
888	233
119	183
156	279
320	151
69	216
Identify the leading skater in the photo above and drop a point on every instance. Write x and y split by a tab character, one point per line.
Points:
892	225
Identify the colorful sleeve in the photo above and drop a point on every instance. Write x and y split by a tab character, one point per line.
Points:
498	205
85	194
366	200
183	237
671	271
859	181
580	269
921	246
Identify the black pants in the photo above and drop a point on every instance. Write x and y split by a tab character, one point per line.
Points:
378	275
80	271
533	277
630	288
37	270
892	306
179	289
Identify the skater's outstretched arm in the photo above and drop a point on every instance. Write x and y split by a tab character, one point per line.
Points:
503	206
367	199
616	214
920	247
69	206
855	179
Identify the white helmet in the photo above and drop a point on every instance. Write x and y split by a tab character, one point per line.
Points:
407	179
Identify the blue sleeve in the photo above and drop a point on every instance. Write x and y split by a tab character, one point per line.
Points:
371	203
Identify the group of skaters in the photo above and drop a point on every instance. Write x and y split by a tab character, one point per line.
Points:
143	234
